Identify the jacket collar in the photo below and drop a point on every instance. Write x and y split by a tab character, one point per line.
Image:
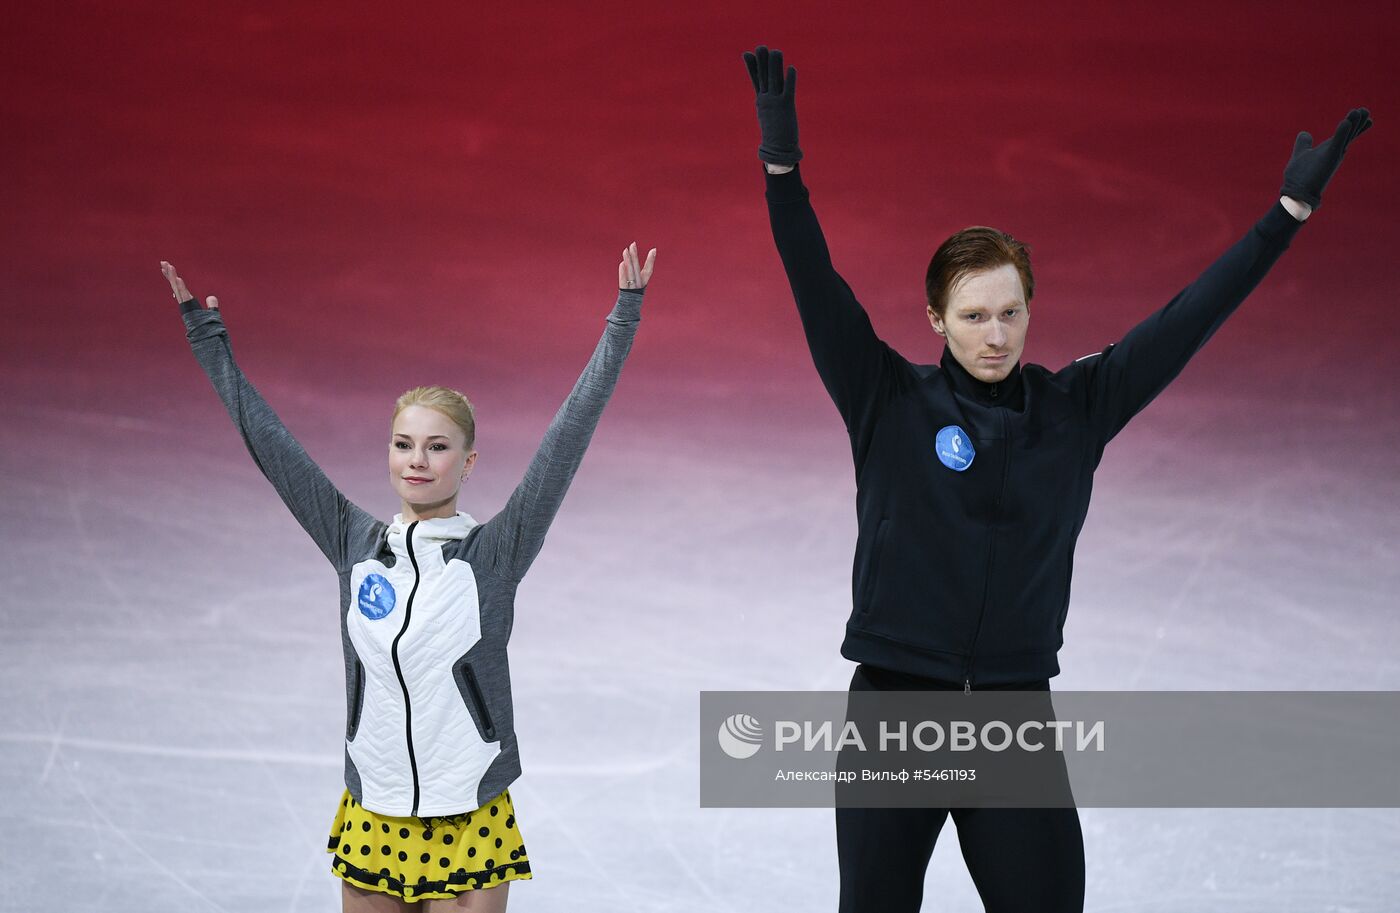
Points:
438	528
1002	393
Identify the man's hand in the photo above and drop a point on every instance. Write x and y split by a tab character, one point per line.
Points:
777	111
1311	167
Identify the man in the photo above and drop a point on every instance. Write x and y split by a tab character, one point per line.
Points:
973	482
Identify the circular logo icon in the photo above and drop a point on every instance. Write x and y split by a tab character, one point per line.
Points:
376	597
741	736
954	448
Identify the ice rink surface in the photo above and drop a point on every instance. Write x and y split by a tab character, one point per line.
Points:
363	193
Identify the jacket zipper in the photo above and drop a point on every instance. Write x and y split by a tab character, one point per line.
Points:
991	549
398	668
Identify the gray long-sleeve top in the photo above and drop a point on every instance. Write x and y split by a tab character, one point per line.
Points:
426	607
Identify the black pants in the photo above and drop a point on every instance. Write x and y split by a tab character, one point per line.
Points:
1021	860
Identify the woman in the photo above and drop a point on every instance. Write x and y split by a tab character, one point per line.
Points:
973	481
426	605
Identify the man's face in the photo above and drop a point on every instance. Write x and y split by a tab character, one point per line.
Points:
985	322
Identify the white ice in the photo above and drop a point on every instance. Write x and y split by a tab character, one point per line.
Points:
171	737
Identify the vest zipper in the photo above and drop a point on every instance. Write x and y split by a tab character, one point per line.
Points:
398	668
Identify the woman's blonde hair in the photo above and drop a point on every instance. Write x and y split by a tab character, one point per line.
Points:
449	402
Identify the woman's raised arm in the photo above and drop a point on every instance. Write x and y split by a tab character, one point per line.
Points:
327	516
510	540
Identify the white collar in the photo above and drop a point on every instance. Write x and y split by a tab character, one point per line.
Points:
443	528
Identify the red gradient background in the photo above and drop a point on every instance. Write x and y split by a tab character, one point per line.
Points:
383	195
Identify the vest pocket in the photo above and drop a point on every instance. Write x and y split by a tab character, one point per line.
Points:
475	700
356	696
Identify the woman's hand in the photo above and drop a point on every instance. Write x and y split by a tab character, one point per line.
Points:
178	289
631	276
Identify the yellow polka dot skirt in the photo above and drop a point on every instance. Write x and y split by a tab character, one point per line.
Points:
427	858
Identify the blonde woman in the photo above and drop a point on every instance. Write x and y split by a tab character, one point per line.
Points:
426	605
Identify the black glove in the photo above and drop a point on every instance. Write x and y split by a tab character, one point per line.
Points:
777	112
1310	168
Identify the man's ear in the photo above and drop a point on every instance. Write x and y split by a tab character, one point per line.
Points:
936	322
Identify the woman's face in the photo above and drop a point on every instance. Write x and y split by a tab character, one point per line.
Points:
428	460
985	322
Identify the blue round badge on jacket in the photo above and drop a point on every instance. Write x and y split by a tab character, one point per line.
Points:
376	597
954	448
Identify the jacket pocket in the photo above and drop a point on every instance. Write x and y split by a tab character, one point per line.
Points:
355	699
870	569
471	692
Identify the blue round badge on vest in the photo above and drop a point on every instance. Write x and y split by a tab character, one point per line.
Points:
954	448
376	597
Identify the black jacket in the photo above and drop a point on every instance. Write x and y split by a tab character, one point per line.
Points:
965	575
